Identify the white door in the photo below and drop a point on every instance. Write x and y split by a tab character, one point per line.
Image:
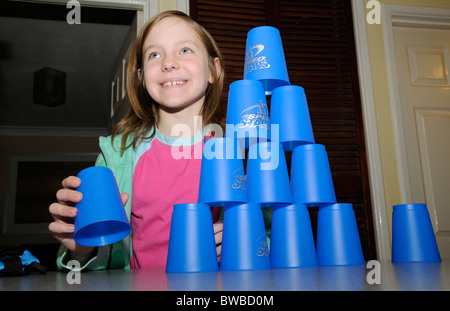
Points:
422	60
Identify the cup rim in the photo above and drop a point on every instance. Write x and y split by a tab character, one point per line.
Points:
246	82
409	206
308	147
286	88
119	231
245	206
262	28
289	206
190	206
336	206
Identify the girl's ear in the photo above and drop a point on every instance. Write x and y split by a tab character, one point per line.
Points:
218	71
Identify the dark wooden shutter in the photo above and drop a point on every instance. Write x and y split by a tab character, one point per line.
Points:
228	22
320	56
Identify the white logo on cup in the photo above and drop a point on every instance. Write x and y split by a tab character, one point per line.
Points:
259	48
253	61
259	119
240	180
263	248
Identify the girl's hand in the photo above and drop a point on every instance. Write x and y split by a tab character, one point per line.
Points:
64	211
218	229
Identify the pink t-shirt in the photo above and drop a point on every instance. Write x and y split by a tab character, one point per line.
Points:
161	180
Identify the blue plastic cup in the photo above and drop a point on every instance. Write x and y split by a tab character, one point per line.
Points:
267	174
264	58
192	247
247	113
413	238
312	183
244	240
101	218
292	242
222	175
289	109
338	242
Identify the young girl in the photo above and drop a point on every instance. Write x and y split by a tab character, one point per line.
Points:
175	74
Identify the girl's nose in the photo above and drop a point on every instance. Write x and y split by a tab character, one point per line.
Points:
169	63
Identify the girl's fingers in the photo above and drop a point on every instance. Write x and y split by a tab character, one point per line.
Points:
58	211
219	250
71	182
60	228
68	195
218	238
218	226
125	196
218	230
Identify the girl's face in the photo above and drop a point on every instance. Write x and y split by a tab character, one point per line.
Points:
176	72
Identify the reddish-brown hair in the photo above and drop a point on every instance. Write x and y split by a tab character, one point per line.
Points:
144	111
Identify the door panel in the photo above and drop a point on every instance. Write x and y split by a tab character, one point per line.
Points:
422	60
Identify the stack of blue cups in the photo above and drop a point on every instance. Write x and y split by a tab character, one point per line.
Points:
246	171
192	245
223	183
248	123
310	184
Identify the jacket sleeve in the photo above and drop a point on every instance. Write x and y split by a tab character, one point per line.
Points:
98	262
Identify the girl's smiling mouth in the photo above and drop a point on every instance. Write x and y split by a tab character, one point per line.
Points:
173	83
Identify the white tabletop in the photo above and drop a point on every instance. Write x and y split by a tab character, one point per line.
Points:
391	277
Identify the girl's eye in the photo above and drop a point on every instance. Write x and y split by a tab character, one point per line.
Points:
153	55
185	50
